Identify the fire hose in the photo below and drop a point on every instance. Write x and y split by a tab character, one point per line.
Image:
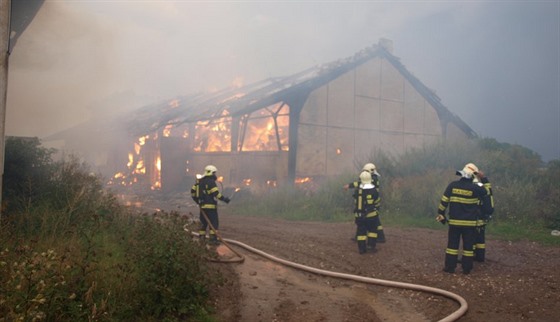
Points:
463	306
240	258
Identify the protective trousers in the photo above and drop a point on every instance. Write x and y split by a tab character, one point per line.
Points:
480	243
455	233
212	215
380	232
366	232
203	225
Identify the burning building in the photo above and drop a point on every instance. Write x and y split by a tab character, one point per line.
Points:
286	129
289	129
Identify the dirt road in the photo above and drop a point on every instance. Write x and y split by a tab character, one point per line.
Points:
519	281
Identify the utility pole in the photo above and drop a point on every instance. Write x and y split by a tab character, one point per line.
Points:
5	8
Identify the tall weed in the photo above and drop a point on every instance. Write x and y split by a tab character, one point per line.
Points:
526	190
324	201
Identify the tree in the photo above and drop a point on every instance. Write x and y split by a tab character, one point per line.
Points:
27	170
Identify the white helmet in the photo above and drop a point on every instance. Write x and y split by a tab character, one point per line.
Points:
468	171
365	177
210	170
370	167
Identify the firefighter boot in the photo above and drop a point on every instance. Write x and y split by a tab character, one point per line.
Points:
450	263
380	235
479	255
213	240
362	248
202	236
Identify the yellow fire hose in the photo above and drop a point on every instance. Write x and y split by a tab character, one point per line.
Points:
463	306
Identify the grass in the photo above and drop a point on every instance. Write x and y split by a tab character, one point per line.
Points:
403	205
516	231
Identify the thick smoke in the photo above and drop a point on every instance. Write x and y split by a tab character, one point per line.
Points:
496	64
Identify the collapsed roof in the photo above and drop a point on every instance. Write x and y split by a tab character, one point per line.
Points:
239	101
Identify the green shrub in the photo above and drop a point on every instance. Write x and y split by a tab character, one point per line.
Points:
548	195
167	272
70	252
135	268
45	286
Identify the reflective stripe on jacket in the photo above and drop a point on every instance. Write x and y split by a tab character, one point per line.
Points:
463	197
209	193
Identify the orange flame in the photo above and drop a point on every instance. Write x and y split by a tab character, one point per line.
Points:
174	103
130	160
267	130
142	139
167	130
302	180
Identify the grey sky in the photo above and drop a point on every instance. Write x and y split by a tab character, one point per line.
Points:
496	64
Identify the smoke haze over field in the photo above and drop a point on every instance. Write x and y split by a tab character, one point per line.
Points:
494	64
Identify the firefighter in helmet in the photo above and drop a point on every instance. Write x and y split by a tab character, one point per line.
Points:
367	201
484	216
195	195
207	194
463	199
372	169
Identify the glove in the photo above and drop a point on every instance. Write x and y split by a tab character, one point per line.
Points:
479	174
441	219
226	200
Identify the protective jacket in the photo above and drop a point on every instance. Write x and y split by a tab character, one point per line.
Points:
486	212
482	220
366	216
209	193
367	201
375	181
464	198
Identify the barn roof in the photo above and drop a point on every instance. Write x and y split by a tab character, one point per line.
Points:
238	101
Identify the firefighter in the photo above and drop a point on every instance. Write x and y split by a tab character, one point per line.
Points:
463	198
195	195
372	169
365	212
208	196
481	222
